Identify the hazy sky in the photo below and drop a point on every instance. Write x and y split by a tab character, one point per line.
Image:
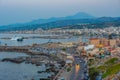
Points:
17	11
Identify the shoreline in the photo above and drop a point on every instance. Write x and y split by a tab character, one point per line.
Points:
35	58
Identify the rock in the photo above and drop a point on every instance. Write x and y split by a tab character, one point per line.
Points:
14	60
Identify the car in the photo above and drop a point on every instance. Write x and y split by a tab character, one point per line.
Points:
62	78
80	61
77	58
85	71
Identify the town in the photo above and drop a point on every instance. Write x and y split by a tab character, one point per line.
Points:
59	39
94	56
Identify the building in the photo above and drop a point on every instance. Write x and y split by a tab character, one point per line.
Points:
95	41
88	47
103	41
112	42
62	55
69	60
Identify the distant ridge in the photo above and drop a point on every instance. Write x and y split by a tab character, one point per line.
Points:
79	15
70	22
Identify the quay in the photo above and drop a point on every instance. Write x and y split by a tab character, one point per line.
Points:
52	63
24	49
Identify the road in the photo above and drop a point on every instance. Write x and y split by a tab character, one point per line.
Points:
79	71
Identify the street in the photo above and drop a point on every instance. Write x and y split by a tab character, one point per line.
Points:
79	71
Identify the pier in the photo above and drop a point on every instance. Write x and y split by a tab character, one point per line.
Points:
23	49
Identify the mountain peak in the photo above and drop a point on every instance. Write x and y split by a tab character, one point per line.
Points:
83	15
79	15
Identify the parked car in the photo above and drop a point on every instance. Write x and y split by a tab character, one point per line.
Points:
62	78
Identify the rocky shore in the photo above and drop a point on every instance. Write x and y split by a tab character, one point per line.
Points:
52	63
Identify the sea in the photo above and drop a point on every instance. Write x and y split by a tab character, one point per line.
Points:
13	71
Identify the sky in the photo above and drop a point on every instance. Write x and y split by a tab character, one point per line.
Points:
20	11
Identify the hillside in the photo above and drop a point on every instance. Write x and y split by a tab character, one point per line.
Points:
69	24
38	22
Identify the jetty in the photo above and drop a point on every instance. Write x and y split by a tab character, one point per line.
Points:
21	49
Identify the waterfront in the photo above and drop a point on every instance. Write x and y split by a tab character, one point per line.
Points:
32	40
23	71
54	60
59	40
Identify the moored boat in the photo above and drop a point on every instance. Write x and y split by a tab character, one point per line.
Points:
17	38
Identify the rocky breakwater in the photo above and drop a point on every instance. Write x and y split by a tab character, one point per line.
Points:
52	63
15	48
14	60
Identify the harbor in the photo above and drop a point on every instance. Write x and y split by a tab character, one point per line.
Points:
30	39
37	55
45	66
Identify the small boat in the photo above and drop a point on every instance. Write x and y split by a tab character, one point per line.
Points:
17	38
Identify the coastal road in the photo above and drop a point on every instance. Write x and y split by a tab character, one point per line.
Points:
79	71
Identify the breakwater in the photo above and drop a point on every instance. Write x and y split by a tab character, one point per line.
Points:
24	49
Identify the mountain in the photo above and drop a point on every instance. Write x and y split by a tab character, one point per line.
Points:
77	21
80	15
101	22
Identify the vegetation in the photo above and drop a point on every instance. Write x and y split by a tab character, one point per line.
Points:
111	61
112	70
109	68
93	72
66	24
91	62
68	69
64	49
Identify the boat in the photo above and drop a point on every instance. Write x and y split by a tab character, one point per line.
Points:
17	38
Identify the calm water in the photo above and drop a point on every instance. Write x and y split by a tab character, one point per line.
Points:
32	41
12	71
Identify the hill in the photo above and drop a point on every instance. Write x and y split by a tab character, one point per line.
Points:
66	23
80	15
